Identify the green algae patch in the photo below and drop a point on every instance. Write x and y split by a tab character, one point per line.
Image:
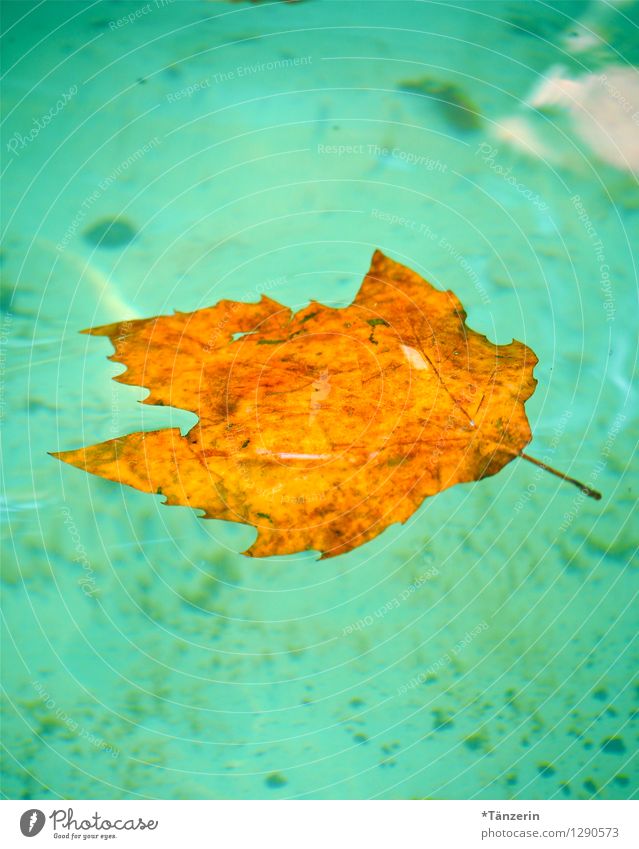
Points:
453	104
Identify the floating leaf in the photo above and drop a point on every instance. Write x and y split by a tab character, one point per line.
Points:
319	428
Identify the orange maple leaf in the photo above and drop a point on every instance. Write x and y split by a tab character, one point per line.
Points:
323	427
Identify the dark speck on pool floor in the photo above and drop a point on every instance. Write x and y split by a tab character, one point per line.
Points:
613	746
590	785
110	233
275	779
441	720
475	741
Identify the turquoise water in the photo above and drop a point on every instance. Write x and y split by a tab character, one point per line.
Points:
486	648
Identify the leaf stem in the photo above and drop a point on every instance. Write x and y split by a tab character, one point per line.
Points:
591	493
